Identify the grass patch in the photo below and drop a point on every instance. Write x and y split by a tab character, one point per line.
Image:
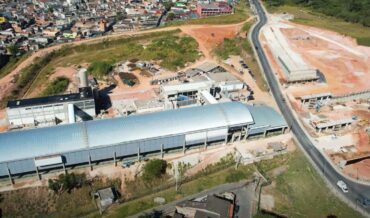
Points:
242	12
12	64
228	47
301	192
41	202
99	69
306	16
57	86
363	41
170	50
247	26
202	183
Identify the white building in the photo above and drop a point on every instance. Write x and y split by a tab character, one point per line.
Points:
51	110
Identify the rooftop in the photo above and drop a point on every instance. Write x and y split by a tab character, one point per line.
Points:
265	116
50	99
223	77
31	143
210	206
207	66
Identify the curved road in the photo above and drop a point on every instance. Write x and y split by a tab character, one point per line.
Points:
356	190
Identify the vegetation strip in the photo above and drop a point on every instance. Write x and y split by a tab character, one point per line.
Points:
307	16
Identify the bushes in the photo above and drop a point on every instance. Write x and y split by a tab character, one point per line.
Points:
57	86
99	69
154	169
25	79
67	182
246	26
173	51
355	11
227	48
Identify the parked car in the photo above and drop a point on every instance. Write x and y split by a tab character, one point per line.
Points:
127	163
342	186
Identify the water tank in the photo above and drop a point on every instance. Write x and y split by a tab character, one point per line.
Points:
82	74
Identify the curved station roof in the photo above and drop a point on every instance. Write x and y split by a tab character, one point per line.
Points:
58	139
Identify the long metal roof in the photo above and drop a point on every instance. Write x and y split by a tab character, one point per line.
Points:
58	139
265	116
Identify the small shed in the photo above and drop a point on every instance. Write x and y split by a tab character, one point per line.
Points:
106	197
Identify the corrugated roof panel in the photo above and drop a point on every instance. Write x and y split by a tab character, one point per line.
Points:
164	123
264	116
70	137
38	142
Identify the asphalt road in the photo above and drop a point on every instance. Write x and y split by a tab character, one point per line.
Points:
356	190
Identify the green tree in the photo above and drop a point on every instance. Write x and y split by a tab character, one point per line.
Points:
154	169
67	182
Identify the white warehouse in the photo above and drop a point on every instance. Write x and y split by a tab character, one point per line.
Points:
294	67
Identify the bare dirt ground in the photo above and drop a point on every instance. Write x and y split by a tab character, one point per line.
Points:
209	36
360	170
346	68
346	65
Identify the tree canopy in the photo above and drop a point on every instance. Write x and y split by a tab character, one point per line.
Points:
355	11
154	169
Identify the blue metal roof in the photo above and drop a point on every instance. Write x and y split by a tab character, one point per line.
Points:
265	116
58	139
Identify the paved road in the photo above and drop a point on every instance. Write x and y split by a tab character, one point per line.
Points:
244	198
356	190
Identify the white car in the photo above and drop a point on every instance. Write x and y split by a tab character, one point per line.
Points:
342	186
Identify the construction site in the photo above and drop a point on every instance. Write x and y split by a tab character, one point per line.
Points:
325	77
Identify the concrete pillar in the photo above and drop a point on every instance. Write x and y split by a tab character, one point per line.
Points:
232	137
162	151
205	141
283	130
183	148
138	153
91	167
37	173
10	177
114	159
265	133
245	134
64	168
226	138
245	137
